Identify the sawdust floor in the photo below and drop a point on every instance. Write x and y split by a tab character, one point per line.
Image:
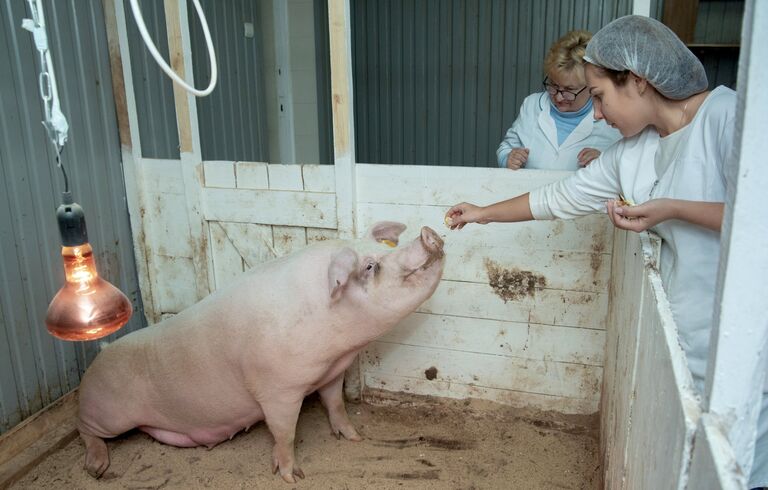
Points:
433	445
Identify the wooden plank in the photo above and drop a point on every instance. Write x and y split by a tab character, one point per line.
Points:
287	208
219	174
319	178
666	410
543	306
714	465
131	158
253	243
737	357
175	281
342	108
376	383
227	262
162	176
26	445
167	221
36	426
500	338
589	234
315	235
420	184
116	68
180	52
251	175
622	332
575	271
288	239
177	62
483	370
285	177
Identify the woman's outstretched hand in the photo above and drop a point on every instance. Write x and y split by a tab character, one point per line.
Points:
461	214
641	217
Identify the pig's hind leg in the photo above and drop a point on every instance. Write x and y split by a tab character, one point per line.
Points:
96	455
281	417
332	397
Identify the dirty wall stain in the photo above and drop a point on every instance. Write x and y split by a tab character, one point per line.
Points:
512	284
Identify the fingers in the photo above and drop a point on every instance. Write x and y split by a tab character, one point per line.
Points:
517	158
621	219
587	155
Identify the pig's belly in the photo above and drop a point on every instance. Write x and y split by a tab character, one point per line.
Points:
181	434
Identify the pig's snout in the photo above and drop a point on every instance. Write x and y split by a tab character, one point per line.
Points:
431	241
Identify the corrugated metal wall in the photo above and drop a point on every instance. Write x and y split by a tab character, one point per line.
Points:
439	82
232	120
154	90
35	368
716	39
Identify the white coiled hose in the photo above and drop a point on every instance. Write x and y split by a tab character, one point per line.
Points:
161	62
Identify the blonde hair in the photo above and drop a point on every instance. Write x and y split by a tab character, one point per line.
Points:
567	53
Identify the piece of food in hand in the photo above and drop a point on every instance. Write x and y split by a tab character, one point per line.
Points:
389	243
448	221
623	201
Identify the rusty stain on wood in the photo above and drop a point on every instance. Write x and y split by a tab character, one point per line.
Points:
512	284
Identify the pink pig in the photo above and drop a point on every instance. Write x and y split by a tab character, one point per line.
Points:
253	350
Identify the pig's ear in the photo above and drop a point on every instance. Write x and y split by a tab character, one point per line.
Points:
386	230
343	265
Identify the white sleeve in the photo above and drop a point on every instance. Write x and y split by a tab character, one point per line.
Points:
584	192
512	139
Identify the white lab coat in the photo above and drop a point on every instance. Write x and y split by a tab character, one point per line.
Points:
689	254
535	129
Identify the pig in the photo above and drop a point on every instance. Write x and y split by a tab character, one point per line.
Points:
252	350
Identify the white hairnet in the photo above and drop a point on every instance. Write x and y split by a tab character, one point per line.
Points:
650	50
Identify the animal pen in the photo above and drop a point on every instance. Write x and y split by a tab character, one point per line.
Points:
555	320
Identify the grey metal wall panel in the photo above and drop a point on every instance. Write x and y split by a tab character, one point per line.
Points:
35	368
232	119
154	90
438	82
719	22
323	70
718	33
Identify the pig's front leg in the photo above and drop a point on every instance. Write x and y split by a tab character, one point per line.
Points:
281	417
332	397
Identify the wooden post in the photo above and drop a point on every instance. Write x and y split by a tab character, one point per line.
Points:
736	368
180	53
339	26
130	143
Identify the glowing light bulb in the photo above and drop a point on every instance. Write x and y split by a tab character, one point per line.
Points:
87	307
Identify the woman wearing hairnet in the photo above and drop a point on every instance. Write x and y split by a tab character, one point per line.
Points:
672	162
556	129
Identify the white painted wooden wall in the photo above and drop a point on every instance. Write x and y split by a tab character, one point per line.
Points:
542	350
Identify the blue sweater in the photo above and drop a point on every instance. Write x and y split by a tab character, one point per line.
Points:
566	122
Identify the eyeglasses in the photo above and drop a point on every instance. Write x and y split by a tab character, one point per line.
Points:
553	89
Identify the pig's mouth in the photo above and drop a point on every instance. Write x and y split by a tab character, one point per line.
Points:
433	245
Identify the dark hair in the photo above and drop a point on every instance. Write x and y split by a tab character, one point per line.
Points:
618	77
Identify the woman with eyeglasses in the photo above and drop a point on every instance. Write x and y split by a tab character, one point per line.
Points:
674	165
556	129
